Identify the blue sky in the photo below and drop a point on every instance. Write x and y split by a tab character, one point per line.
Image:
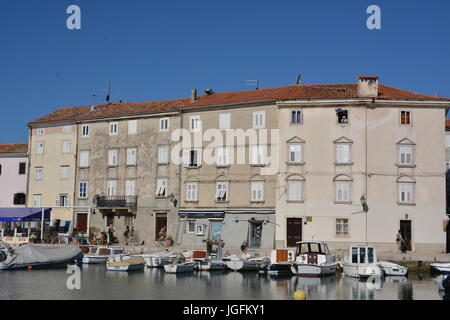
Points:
152	49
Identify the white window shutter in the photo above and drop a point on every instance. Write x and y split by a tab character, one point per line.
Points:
199	157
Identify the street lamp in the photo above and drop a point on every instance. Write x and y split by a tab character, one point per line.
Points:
364	204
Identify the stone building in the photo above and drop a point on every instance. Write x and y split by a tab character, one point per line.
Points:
13	175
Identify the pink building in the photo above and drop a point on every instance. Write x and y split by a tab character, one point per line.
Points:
13	175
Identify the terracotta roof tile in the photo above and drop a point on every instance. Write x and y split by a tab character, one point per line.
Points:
299	92
14	148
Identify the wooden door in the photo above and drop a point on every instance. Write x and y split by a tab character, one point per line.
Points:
312	258
255	234
82	222
160	222
294	231
405	230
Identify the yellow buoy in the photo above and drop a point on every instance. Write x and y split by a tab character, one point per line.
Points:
299	295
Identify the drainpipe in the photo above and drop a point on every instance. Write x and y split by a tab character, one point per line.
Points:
366	174
180	168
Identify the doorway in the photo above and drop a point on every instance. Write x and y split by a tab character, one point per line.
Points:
405	230
82	222
294	231
160	223
255	234
448	238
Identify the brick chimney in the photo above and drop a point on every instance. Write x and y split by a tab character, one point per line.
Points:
367	86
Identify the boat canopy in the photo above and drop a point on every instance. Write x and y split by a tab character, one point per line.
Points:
201	214
24	214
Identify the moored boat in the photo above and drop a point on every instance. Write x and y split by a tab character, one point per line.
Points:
99	255
159	259
125	263
361	262
440	268
179	267
313	259
242	263
392	269
278	263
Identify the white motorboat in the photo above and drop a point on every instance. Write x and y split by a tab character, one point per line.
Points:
361	262
392	269
313	259
440	267
242	263
159	259
179	267
101	254
125	263
443	282
211	265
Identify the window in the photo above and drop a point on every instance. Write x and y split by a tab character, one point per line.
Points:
1	169
221	191
295	190
405	155
38	173
130	188
342	116
37	200
83	191
65	146
190	226
62	200
406	192
405	117
40	132
342	153
132	126
194	123
84	159
192	191
64	172
131	156
258	155
295	153
164	124
222	158
40	147
257	191
296	117
343	191
192	158
224	121
342	228
161	187
199	229
67	129
111	188
22	168
85	128
113	128
259	119
112	157
19	199
163	154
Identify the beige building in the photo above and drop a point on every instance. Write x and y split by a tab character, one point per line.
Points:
51	174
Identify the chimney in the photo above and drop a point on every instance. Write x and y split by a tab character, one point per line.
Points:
193	95
367	86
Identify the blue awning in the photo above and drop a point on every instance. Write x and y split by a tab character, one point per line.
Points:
201	214
24	214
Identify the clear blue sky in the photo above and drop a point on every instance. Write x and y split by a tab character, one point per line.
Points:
161	49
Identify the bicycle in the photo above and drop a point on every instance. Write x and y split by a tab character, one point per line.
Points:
134	239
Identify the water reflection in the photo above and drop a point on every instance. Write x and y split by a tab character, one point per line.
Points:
98	283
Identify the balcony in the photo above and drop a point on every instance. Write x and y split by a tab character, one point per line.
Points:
115	201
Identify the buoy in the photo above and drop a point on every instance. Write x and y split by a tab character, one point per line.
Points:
299	295
30	267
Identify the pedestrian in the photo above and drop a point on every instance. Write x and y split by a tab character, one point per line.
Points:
126	234
400	241
110	233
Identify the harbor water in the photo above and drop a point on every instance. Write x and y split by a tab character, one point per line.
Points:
98	283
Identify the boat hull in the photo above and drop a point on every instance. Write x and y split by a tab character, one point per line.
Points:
361	270
134	267
392	269
179	268
242	265
443	268
311	270
45	265
277	268
211	266
94	259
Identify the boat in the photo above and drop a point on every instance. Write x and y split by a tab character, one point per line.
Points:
392	269
210	259
179	265
160	259
125	263
32	256
279	262
440	267
361	262
313	259
242	262
443	282
211	265
101	254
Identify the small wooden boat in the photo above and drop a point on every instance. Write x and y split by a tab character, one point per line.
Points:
313	259
179	267
392	269
361	262
211	265
242	263
159	259
279	262
125	263
98	255
440	267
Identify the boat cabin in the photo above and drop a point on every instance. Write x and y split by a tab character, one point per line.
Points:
314	253
103	251
363	254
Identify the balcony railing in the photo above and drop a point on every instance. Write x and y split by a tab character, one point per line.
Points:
116	201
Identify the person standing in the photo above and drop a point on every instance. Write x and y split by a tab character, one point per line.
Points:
110	233
126	234
400	241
